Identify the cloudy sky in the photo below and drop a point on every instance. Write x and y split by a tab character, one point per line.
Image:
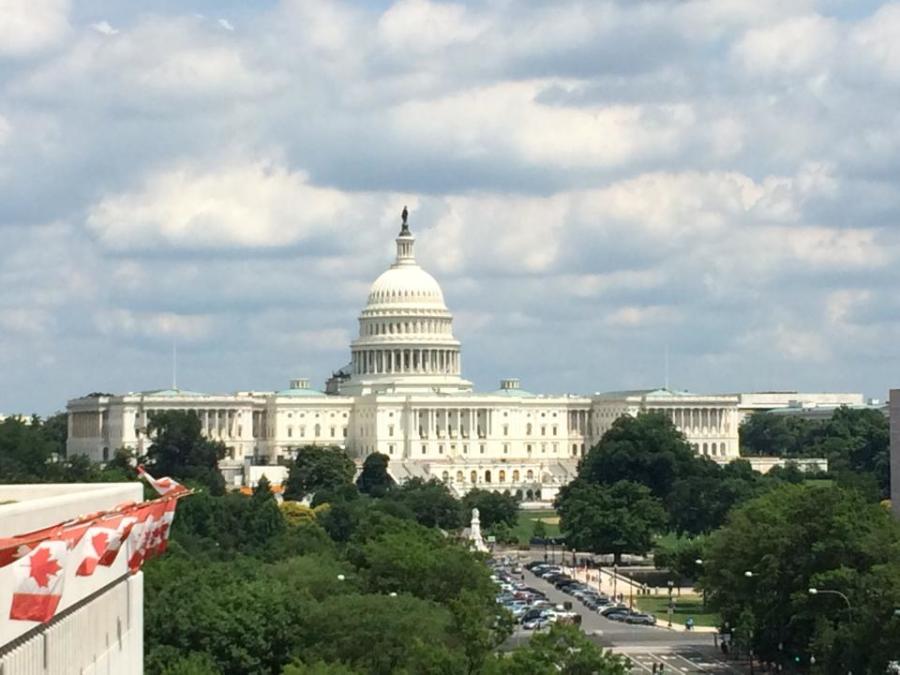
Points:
589	181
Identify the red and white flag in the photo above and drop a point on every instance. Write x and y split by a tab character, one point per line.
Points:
39	579
161	542
14	548
95	543
138	544
164	486
123	529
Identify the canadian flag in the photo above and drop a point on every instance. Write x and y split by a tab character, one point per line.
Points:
39	578
162	532
14	548
138	543
95	543
122	531
164	485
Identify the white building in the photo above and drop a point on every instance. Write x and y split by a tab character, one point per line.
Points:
99	623
403	394
812	405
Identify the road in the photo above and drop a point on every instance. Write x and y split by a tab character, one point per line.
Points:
680	652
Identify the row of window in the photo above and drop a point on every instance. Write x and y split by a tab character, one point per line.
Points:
487	476
437	326
317	431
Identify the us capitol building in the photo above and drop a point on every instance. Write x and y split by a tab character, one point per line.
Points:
403	394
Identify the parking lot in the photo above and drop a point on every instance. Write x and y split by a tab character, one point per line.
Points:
643	645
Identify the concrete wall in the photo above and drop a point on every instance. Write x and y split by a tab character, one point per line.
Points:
99	624
103	635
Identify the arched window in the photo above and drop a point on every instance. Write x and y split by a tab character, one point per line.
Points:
473	477
515	476
705	449
459	477
487	476
528	429
318	430
529	475
502	476
445	476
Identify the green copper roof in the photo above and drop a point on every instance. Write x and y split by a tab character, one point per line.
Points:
299	392
512	393
171	392
651	393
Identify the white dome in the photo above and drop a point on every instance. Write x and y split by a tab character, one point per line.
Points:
406	284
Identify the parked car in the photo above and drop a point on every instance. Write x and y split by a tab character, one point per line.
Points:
641	619
610	609
621	615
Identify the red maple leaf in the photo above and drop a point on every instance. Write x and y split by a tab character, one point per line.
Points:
43	566
99	542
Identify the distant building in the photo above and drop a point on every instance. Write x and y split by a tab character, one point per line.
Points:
402	394
99	623
802	404
895	450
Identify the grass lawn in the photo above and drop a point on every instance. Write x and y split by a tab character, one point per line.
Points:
525	527
685	606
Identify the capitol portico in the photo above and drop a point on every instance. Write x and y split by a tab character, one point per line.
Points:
403	394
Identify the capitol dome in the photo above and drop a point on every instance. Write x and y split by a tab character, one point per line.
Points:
405	331
406	284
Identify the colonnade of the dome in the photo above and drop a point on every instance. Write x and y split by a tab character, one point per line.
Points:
423	361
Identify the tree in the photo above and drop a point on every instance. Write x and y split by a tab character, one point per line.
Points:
430	502
699	504
318	468
563	650
790	539
493	507
374	479
25	452
647	449
422	562
619	518
680	555
854	441
539	531
179	450
765	434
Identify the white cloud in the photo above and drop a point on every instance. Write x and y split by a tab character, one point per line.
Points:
254	205
507	118
124	323
874	41
797	45
104	28
420	26
30	26
226	24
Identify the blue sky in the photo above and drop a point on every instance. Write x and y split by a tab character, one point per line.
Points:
589	181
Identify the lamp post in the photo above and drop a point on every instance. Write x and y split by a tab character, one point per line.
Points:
671	585
826	591
699	563
615	582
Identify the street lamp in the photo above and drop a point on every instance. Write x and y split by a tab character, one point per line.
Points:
671	585
341	577
827	591
748	574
